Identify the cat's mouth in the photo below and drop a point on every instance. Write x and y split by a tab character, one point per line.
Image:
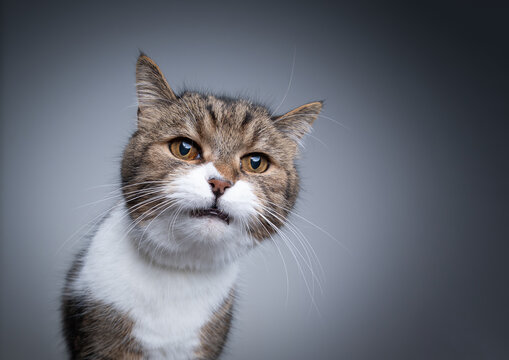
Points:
213	212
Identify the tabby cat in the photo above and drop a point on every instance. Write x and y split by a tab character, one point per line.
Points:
204	180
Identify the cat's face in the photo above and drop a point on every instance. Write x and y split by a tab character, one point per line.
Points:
206	178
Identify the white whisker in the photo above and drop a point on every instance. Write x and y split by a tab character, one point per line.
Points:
289	83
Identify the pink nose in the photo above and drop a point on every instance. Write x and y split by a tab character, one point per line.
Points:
219	186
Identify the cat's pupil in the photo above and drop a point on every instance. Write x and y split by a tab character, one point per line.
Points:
184	148
255	161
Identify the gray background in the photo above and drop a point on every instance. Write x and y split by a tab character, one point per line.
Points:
413	184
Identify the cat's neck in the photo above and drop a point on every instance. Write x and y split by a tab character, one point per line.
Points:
113	261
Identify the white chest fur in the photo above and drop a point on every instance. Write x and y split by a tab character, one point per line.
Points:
168	307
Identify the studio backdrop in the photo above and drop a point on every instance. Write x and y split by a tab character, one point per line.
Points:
404	177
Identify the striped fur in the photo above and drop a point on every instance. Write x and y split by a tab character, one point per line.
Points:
156	282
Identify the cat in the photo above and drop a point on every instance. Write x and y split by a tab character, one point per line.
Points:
204	180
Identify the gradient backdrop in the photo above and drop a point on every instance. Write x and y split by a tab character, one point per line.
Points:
407	169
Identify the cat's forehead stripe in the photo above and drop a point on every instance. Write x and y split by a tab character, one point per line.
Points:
247	118
227	124
212	113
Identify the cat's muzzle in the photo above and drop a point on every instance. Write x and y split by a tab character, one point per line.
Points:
213	212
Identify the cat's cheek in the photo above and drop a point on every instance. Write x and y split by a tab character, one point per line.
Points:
191	189
240	201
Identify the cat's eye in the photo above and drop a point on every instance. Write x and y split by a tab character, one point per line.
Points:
256	163
185	149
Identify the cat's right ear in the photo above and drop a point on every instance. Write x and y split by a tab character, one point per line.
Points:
151	85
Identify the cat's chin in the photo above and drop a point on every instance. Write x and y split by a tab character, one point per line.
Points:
195	242
211	213
207	228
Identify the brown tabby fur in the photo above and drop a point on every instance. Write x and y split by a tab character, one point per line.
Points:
225	129
214	334
94	330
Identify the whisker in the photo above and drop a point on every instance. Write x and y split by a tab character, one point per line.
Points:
146	214
289	83
282	259
104	213
174	219
117	184
286	241
303	242
127	196
298	251
293	212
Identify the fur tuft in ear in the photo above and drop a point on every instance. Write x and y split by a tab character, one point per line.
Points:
297	122
151	85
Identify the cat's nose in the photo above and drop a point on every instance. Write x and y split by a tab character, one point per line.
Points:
219	186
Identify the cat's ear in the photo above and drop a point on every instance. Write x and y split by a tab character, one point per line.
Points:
297	122
151	85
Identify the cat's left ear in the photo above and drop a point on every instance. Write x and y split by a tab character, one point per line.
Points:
297	122
151	85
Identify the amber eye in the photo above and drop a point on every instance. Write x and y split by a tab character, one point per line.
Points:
256	163
185	149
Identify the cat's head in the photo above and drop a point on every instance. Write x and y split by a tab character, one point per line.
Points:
206	178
